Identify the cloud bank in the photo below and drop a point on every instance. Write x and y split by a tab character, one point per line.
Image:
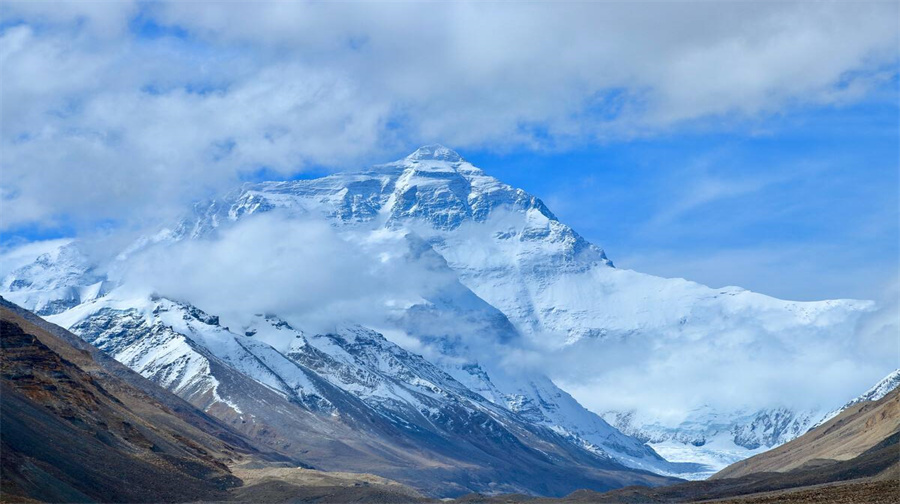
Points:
300	269
125	110
732	370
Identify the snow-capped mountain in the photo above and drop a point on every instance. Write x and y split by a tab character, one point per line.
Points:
556	288
512	252
499	272
58	279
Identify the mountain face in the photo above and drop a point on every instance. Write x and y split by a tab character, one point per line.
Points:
347	400
501	269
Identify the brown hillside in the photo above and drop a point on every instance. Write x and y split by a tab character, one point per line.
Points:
844	437
73	432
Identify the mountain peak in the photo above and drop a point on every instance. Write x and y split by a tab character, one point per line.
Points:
435	152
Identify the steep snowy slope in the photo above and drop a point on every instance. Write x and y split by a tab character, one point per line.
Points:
175	344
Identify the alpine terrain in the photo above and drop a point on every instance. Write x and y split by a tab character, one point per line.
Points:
78	426
420	387
851	457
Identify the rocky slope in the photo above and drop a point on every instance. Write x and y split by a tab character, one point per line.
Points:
75	431
857	429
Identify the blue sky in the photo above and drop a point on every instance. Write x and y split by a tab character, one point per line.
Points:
711	141
801	206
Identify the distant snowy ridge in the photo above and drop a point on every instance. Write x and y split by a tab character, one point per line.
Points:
716	439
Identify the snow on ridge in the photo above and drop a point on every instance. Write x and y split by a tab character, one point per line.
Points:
884	386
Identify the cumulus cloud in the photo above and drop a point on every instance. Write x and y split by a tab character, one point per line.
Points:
123	110
300	269
71	149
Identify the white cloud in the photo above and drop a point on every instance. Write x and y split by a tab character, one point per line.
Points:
731	369
124	151
102	124
511	64
300	269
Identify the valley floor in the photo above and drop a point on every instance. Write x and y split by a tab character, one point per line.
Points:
854	492
862	491
296	484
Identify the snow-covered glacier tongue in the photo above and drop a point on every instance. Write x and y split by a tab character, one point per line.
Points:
501	279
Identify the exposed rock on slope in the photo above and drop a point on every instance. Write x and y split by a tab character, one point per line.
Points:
343	401
74	431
